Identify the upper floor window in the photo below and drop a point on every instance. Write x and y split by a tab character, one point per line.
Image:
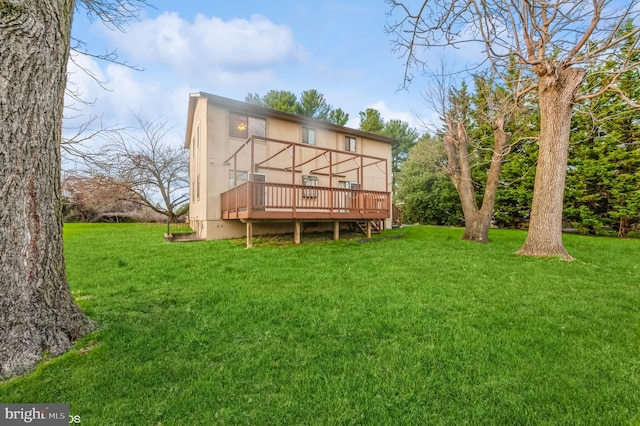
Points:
350	143
243	126
308	136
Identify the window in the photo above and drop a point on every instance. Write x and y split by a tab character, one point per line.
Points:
242	126
238	125
348	185
308	136
257	127
240	178
350	143
310	181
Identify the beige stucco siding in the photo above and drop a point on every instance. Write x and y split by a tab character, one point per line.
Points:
283	130
197	165
374	175
217	154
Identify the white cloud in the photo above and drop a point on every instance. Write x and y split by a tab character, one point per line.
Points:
127	93
178	57
209	49
388	114
118	92
83	78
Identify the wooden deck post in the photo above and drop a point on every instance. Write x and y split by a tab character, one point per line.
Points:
369	229
336	230
296	234
249	234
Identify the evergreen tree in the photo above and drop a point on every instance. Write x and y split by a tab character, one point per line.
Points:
338	117
371	121
425	192
603	178
407	138
313	104
310	104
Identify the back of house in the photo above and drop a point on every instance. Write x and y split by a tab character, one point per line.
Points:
257	170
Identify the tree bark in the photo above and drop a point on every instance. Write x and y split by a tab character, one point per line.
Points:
477	221
556	90
38	316
478	229
457	149
624	227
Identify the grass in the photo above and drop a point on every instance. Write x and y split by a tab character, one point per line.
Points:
420	329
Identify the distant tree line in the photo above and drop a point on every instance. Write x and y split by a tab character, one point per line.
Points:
546	57
602	190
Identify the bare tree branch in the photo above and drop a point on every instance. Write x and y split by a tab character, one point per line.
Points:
113	14
154	172
554	43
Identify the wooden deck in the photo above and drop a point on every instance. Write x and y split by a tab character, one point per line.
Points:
273	201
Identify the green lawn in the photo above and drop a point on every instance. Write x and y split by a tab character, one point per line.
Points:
421	329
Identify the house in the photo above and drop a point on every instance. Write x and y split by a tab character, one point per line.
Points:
255	170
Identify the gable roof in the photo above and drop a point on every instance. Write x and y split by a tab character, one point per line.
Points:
252	109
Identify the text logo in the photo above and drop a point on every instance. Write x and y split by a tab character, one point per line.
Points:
34	414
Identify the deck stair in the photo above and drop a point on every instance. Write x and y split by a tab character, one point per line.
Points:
375	226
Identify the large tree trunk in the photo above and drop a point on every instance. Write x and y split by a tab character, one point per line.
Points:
467	195
477	221
456	146
37	311
624	227
556	92
478	230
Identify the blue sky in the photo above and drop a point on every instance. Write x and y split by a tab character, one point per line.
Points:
231	48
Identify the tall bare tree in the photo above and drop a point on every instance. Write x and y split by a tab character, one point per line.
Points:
553	43
477	219
148	170
37	311
493	106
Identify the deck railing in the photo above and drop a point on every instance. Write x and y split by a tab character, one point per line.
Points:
396	216
267	200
